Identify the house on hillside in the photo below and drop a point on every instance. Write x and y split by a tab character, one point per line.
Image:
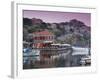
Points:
41	36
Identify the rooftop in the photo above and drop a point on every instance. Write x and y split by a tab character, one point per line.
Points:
45	32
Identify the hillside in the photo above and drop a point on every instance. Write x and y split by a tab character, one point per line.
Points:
73	32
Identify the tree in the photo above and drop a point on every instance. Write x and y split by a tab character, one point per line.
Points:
27	21
25	34
43	25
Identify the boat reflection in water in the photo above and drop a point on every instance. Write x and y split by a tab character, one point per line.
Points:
50	55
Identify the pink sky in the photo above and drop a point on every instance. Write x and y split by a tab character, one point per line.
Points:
56	17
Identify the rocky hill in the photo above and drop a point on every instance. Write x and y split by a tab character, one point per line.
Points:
73	32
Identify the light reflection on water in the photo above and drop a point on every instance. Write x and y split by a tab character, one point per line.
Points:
63	60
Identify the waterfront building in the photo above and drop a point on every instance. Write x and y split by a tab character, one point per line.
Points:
41	36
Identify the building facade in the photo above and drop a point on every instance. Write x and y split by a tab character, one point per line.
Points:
41	36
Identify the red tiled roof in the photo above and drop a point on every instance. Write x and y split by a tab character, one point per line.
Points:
45	32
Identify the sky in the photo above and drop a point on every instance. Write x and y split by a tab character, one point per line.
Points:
57	17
